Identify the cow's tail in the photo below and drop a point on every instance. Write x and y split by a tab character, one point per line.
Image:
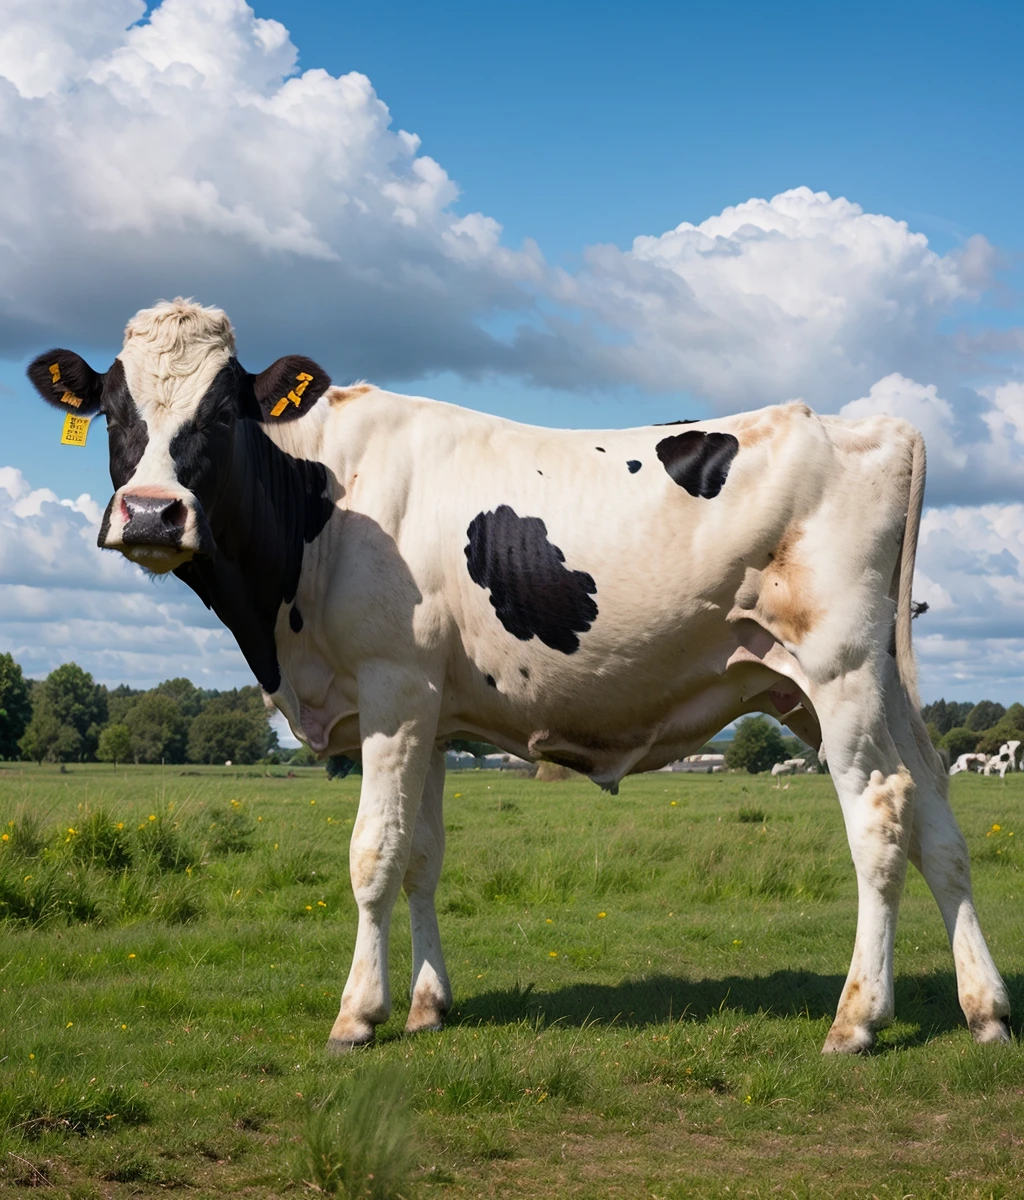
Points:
906	664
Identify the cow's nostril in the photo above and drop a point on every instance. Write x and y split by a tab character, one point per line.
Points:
175	514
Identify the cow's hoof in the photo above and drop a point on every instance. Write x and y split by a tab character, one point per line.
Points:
433	1026
339	1046
349	1035
848	1039
425	1018
993	1030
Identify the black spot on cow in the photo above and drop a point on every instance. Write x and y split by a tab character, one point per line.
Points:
295	619
698	461
634	465
600	449
532	592
663	424
524	671
490	681
539	472
127	433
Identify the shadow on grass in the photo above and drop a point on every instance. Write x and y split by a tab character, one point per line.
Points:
927	1000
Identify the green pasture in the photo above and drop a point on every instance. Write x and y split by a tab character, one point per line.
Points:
643	983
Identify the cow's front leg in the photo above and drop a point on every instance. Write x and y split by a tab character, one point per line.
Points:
431	993
398	724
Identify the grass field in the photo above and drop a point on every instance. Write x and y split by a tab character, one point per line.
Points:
643	984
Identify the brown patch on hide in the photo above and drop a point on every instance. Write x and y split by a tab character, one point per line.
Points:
785	602
891	800
341	395
364	868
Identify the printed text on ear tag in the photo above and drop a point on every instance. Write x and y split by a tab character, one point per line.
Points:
76	430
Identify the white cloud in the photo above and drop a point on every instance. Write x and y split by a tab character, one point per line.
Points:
800	295
978	555
62	599
183	155
974	455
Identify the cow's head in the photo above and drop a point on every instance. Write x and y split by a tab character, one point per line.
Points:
175	400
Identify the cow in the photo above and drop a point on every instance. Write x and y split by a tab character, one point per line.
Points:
1005	760
969	762
399	571
789	767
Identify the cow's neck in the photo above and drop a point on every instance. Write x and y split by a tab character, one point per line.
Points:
270	508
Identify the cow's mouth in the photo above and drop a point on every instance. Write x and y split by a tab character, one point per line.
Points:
158	559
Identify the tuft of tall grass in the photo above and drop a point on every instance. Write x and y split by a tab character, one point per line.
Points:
361	1145
72	1106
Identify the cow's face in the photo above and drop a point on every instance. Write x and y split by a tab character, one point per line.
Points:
176	400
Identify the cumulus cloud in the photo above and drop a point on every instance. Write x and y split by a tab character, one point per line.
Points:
801	295
974	454
184	155
62	599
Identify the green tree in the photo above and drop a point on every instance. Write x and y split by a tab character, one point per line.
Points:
304	757
984	715
119	701
757	746
15	706
115	744
1014	716
1004	731
158	728
68	712
220	734
185	693
960	741
947	714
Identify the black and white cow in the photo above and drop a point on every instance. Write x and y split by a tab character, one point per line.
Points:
399	571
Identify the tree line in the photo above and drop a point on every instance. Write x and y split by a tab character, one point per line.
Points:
68	717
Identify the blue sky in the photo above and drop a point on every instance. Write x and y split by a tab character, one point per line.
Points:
576	129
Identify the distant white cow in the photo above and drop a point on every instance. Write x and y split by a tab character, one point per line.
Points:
969	762
1005	760
789	767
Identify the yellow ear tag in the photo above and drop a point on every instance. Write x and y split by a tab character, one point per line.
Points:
76	430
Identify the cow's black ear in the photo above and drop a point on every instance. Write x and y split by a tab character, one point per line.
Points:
289	387
65	379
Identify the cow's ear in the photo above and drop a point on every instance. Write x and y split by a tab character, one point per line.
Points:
289	387
65	379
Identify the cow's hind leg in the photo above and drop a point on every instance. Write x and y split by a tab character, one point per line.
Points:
398	725
938	850
431	993
877	797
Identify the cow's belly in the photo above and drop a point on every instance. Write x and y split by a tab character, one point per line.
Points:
634	711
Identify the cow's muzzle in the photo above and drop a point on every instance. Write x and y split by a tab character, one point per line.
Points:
157	529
